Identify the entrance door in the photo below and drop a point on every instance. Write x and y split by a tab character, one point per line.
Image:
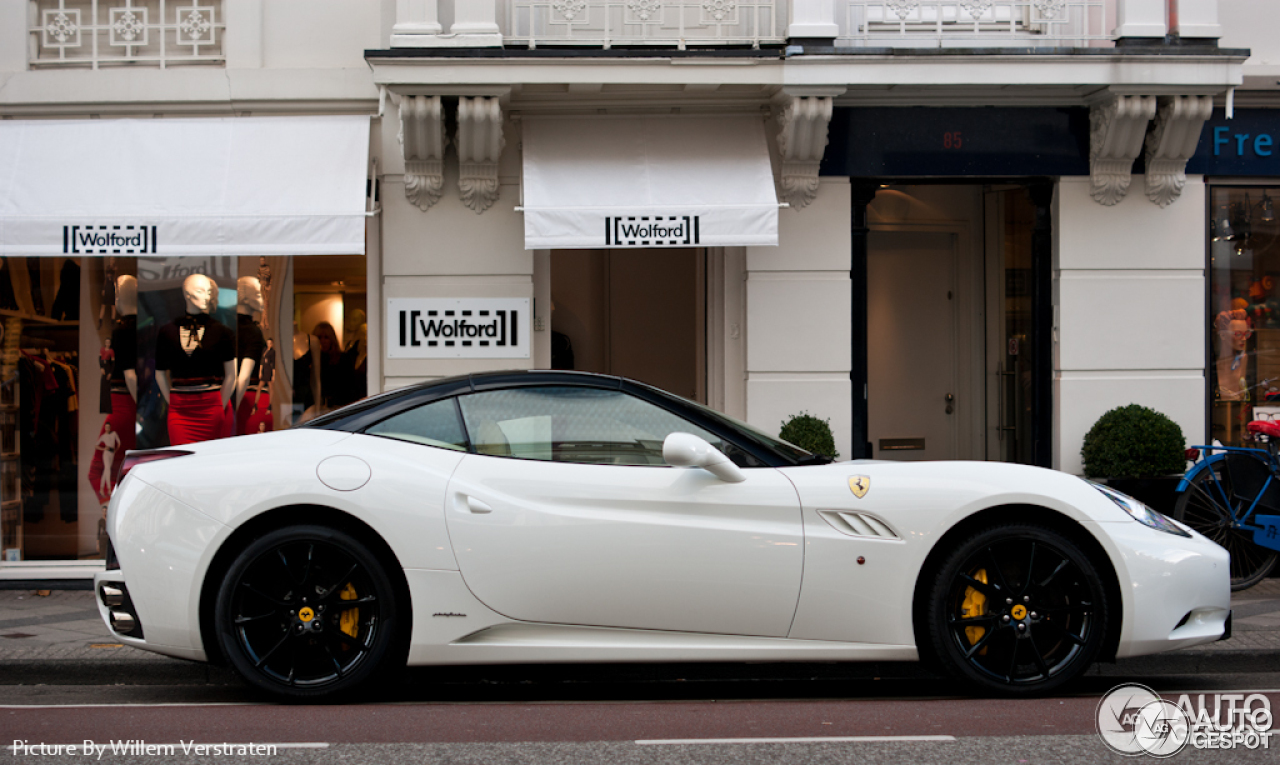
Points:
912	385
635	313
1010	220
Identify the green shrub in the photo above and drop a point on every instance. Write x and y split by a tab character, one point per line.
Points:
809	433
1133	442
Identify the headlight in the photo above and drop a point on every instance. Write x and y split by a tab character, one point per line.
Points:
1140	512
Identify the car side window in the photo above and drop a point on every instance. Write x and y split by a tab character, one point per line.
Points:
572	424
435	424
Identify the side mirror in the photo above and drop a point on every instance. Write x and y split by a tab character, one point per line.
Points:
687	450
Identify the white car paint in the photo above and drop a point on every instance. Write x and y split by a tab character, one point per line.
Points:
602	563
629	546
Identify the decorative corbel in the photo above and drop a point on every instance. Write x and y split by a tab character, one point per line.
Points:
801	143
422	140
1116	130
1171	143
479	144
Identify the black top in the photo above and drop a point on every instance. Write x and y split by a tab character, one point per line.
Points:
267	369
124	343
194	348
249	345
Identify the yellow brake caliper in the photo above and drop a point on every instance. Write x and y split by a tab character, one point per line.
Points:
975	604
349	622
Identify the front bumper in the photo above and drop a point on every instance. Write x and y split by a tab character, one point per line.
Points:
1177	590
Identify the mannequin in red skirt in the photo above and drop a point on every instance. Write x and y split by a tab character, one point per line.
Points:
250	345
124	391
195	366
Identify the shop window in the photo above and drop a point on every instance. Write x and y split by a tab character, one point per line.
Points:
1244	310
101	355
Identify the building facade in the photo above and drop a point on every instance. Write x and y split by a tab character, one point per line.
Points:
957	229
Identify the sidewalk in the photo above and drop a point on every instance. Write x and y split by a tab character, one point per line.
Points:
60	639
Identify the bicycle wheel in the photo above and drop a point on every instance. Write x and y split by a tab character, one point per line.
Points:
1210	504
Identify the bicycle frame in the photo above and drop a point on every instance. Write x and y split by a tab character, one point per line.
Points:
1211	455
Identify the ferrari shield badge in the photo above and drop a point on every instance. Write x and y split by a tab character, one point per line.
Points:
860	485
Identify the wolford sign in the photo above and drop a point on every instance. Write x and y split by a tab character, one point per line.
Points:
454	328
108	240
652	230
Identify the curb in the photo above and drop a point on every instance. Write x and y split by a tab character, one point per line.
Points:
167	671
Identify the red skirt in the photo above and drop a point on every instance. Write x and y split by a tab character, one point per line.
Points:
248	421
195	417
123	420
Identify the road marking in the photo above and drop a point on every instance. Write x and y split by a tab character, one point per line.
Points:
129	705
795	740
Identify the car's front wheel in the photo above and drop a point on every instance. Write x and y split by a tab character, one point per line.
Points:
1017	610
307	612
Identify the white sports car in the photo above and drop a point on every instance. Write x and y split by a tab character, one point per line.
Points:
569	517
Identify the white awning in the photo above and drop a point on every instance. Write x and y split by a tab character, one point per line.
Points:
172	187
673	181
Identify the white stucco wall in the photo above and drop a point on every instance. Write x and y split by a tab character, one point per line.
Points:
277	52
1129	304
798	332
451	251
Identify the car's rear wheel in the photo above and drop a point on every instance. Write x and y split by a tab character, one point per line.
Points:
307	612
1017	610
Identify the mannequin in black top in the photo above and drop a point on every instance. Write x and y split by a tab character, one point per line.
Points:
250	346
195	366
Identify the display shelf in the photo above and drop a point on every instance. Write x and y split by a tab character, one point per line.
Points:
37	319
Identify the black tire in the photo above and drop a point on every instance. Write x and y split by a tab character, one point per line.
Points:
1208	506
1035	624
308	612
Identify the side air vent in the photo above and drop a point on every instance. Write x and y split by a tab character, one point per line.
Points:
858	524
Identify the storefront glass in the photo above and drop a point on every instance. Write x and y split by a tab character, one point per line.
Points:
101	355
1244	310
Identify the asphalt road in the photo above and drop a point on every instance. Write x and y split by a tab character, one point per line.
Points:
530	715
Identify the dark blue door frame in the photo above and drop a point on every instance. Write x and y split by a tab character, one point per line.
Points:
1040	191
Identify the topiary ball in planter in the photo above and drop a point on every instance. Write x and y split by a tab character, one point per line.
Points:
1133	442
809	433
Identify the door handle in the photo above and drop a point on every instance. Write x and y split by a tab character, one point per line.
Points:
951	403
476	506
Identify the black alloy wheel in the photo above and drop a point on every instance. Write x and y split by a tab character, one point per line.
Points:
307	612
1210	505
1017	610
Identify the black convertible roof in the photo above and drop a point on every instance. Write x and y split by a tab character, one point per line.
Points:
355	418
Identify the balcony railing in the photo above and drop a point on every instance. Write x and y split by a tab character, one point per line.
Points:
98	33
976	23
677	23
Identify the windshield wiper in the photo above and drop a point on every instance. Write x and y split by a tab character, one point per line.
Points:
815	459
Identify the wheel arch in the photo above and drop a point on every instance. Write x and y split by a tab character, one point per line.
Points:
281	517
1018	513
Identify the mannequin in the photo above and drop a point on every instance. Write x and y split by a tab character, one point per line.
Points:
195	366
108	443
104	470
356	330
250	347
1232	365
264	283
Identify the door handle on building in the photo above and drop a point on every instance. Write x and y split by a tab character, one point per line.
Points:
951	403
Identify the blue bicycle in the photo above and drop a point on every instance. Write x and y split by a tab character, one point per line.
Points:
1232	496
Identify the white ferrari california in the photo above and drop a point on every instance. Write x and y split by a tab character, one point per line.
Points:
521	517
